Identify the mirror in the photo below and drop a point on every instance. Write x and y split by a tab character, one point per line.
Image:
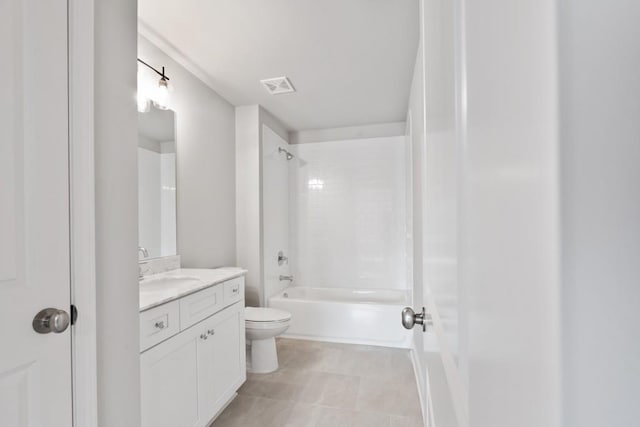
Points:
156	184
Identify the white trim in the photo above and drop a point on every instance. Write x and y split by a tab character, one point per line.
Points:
82	210
430	421
422	393
355	341
449	366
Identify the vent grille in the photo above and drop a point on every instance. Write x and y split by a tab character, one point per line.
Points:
278	85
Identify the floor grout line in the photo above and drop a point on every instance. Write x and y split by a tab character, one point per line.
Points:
308	381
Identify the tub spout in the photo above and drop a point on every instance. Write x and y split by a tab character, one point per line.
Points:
289	278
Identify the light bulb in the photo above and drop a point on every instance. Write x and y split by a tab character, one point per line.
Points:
161	99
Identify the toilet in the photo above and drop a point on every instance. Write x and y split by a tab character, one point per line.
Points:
262	326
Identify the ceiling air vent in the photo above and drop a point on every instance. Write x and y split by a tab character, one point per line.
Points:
278	85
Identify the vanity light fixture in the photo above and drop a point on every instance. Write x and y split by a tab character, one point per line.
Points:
161	97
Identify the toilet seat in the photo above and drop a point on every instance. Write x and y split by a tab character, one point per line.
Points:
259	316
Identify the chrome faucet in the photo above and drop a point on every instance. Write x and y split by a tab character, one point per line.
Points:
145	252
289	278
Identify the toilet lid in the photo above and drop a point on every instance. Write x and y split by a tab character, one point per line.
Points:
264	314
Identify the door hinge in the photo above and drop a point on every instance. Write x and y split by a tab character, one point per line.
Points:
74	314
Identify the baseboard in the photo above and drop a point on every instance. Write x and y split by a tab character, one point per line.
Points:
221	410
348	341
419	376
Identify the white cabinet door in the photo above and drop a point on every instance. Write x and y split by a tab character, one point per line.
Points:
169	382
221	359
188	378
35	369
229	355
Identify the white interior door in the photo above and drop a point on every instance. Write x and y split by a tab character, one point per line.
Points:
444	346
35	369
434	160
486	213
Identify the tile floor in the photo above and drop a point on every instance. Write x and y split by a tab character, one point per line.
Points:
327	384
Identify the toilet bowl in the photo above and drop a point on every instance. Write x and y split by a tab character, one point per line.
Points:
262	325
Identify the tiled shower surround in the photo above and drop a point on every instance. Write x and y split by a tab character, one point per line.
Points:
347	213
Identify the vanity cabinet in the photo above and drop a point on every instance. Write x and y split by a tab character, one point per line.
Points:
188	378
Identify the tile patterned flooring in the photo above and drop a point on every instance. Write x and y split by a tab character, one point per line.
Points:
326	384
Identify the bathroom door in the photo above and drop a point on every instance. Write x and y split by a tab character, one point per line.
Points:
432	132
35	368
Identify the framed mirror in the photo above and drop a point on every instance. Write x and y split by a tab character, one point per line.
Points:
157	230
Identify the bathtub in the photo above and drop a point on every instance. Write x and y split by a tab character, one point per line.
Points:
357	316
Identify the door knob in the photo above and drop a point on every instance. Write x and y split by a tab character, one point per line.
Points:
51	320
410	318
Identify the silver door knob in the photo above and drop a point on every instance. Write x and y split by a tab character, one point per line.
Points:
410	318
51	320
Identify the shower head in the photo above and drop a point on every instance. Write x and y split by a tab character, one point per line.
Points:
282	150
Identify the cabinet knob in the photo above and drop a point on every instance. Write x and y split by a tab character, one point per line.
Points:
211	331
204	336
160	325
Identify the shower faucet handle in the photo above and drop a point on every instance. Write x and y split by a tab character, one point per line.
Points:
282	259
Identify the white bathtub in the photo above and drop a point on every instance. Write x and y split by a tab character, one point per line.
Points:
356	316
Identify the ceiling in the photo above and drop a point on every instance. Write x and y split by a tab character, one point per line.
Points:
351	61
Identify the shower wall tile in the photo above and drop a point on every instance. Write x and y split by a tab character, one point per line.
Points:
348	214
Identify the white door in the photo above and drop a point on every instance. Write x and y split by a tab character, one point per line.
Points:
485	197
442	295
434	162
35	369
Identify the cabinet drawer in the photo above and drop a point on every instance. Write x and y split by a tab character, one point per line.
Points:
199	306
233	290
158	324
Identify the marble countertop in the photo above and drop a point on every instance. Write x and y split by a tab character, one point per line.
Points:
161	288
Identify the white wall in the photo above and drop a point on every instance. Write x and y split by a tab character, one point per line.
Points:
116	199
250	120
348	214
205	165
600	162
248	226
275	211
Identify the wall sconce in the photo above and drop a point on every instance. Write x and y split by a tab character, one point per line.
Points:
160	97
